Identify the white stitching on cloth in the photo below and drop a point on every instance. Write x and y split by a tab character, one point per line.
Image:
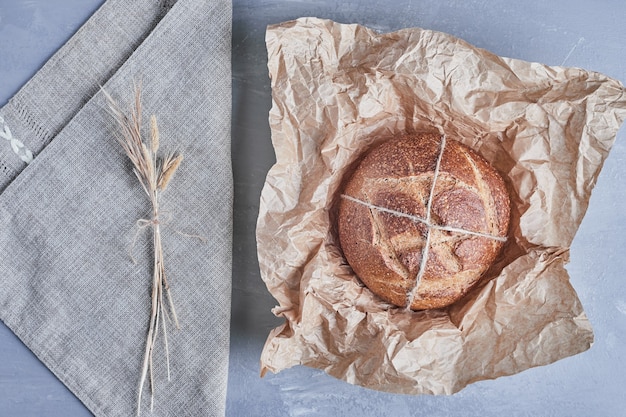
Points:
18	147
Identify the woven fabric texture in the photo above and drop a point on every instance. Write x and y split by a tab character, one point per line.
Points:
68	219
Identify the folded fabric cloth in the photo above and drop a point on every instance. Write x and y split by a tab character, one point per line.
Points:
69	207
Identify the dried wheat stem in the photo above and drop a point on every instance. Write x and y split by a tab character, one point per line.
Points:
171	305
147	361
165	342
153	175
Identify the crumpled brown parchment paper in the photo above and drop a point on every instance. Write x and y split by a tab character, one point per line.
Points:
546	129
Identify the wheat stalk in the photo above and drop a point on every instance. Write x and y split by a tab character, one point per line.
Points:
153	174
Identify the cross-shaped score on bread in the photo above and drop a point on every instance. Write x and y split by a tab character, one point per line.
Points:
421	219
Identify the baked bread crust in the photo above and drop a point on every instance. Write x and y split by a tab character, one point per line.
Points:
421	218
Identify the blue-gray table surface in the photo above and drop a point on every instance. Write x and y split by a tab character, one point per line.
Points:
590	35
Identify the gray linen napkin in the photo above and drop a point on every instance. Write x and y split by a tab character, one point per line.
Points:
70	290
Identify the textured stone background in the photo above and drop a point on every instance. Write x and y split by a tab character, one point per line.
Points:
578	33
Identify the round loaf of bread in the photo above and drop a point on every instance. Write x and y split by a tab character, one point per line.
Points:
421	218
